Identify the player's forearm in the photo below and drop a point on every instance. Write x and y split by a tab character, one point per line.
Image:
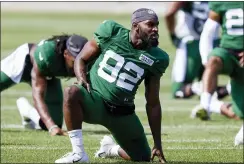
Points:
39	84
170	23
88	53
170	16
80	69
42	109
154	118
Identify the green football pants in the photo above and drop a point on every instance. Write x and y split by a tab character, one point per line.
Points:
126	129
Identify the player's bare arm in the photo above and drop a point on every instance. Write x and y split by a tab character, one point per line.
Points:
39	84
170	15
88	53
153	107
214	16
170	21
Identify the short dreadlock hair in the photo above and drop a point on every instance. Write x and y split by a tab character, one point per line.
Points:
60	43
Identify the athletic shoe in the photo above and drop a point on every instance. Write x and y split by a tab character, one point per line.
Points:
73	158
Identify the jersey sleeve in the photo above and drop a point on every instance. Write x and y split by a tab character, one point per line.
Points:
216	7
104	32
43	56
161	63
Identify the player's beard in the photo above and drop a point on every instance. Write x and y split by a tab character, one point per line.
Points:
154	42
147	40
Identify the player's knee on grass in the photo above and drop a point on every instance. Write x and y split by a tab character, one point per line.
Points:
139	150
131	137
141	155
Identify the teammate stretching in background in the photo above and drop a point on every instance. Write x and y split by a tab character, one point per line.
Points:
227	59
41	66
185	34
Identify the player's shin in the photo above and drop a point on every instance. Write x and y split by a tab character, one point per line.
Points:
73	116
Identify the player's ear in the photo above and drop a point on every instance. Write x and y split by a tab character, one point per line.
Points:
66	54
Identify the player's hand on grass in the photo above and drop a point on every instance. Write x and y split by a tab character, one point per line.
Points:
241	58
159	153
58	132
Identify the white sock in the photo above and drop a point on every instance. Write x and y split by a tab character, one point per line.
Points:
114	151
206	100
196	88
76	140
215	106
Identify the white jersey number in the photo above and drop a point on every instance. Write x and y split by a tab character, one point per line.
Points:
200	14
122	77
234	21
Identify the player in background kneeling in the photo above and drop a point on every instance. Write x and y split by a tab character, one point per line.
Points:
227	59
185	34
41	66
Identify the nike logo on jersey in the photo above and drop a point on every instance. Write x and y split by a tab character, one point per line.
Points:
146	60
40	56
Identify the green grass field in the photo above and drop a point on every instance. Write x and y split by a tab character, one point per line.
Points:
184	140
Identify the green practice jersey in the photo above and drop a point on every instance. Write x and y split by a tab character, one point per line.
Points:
120	68
49	63
231	14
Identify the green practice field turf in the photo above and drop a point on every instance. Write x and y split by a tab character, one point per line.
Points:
184	140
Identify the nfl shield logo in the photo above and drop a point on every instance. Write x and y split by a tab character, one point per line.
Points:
150	12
